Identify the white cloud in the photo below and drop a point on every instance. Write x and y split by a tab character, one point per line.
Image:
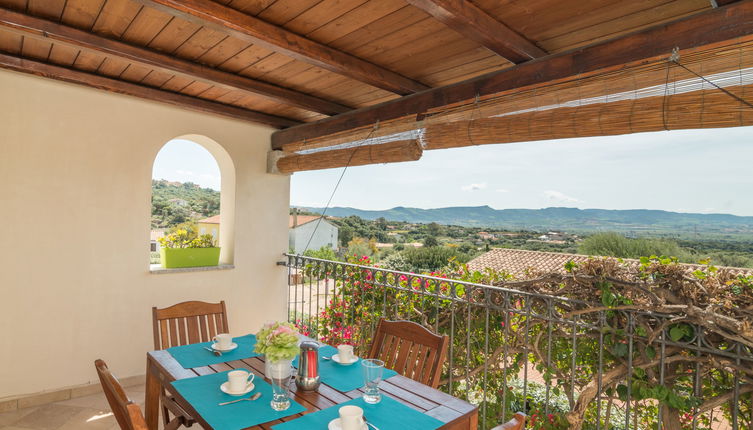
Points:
185	172
502	190
473	187
560	197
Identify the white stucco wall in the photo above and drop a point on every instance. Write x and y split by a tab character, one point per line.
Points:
324	235
75	175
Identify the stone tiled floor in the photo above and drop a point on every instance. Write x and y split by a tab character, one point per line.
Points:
85	413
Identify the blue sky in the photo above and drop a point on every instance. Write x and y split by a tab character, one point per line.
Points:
185	161
684	171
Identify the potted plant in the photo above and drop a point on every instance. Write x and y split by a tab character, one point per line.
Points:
180	249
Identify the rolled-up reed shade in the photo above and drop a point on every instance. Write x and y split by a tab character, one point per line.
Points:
365	134
699	109
390	152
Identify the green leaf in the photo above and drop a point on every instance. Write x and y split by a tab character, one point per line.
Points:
661	392
620	350
570	265
679	331
650	352
674	400
622	392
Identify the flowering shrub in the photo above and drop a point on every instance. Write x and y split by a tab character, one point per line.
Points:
277	341
541	421
184	239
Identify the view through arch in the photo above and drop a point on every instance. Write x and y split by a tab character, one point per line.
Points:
193	182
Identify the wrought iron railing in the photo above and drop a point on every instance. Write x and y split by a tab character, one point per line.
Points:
566	362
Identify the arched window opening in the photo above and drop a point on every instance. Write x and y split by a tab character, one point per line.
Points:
192	213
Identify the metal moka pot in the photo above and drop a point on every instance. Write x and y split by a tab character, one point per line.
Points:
308	367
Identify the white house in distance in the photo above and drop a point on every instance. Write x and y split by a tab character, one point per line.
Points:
301	227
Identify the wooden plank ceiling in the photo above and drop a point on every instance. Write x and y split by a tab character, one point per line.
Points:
287	62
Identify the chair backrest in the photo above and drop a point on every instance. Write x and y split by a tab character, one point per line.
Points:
188	322
517	422
410	349
127	413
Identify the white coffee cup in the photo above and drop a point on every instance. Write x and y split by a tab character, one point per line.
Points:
223	340
351	418
345	353
238	381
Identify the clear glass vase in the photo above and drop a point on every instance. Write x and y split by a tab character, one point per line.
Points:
279	373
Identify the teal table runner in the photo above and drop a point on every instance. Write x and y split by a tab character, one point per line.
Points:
203	393
389	414
194	355
343	378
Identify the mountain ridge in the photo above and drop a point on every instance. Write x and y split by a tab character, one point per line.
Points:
560	218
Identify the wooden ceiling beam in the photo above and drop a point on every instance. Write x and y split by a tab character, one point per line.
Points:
711	27
65	74
44	29
230	21
475	24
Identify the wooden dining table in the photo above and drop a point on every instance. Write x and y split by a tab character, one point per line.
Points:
162	369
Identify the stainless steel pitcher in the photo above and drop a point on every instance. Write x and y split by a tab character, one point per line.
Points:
308	367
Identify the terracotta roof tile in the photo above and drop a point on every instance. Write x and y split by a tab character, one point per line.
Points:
302	219
518	262
211	220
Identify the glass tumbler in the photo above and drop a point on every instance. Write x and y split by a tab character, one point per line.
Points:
279	375
372	375
280	393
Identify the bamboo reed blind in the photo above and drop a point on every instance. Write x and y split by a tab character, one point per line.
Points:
389	152
658	95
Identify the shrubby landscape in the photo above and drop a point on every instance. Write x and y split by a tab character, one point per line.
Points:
427	246
421	247
168	209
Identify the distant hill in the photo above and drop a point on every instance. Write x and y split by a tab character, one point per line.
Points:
176	202
635	221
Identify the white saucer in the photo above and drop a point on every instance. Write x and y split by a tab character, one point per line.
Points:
232	346
336	359
225	390
335	425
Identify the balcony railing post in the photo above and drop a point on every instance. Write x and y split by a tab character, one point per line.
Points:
505	349
600	372
629	377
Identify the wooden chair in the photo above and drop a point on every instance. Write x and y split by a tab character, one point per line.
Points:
181	324
188	322
411	350
127	413
518	422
